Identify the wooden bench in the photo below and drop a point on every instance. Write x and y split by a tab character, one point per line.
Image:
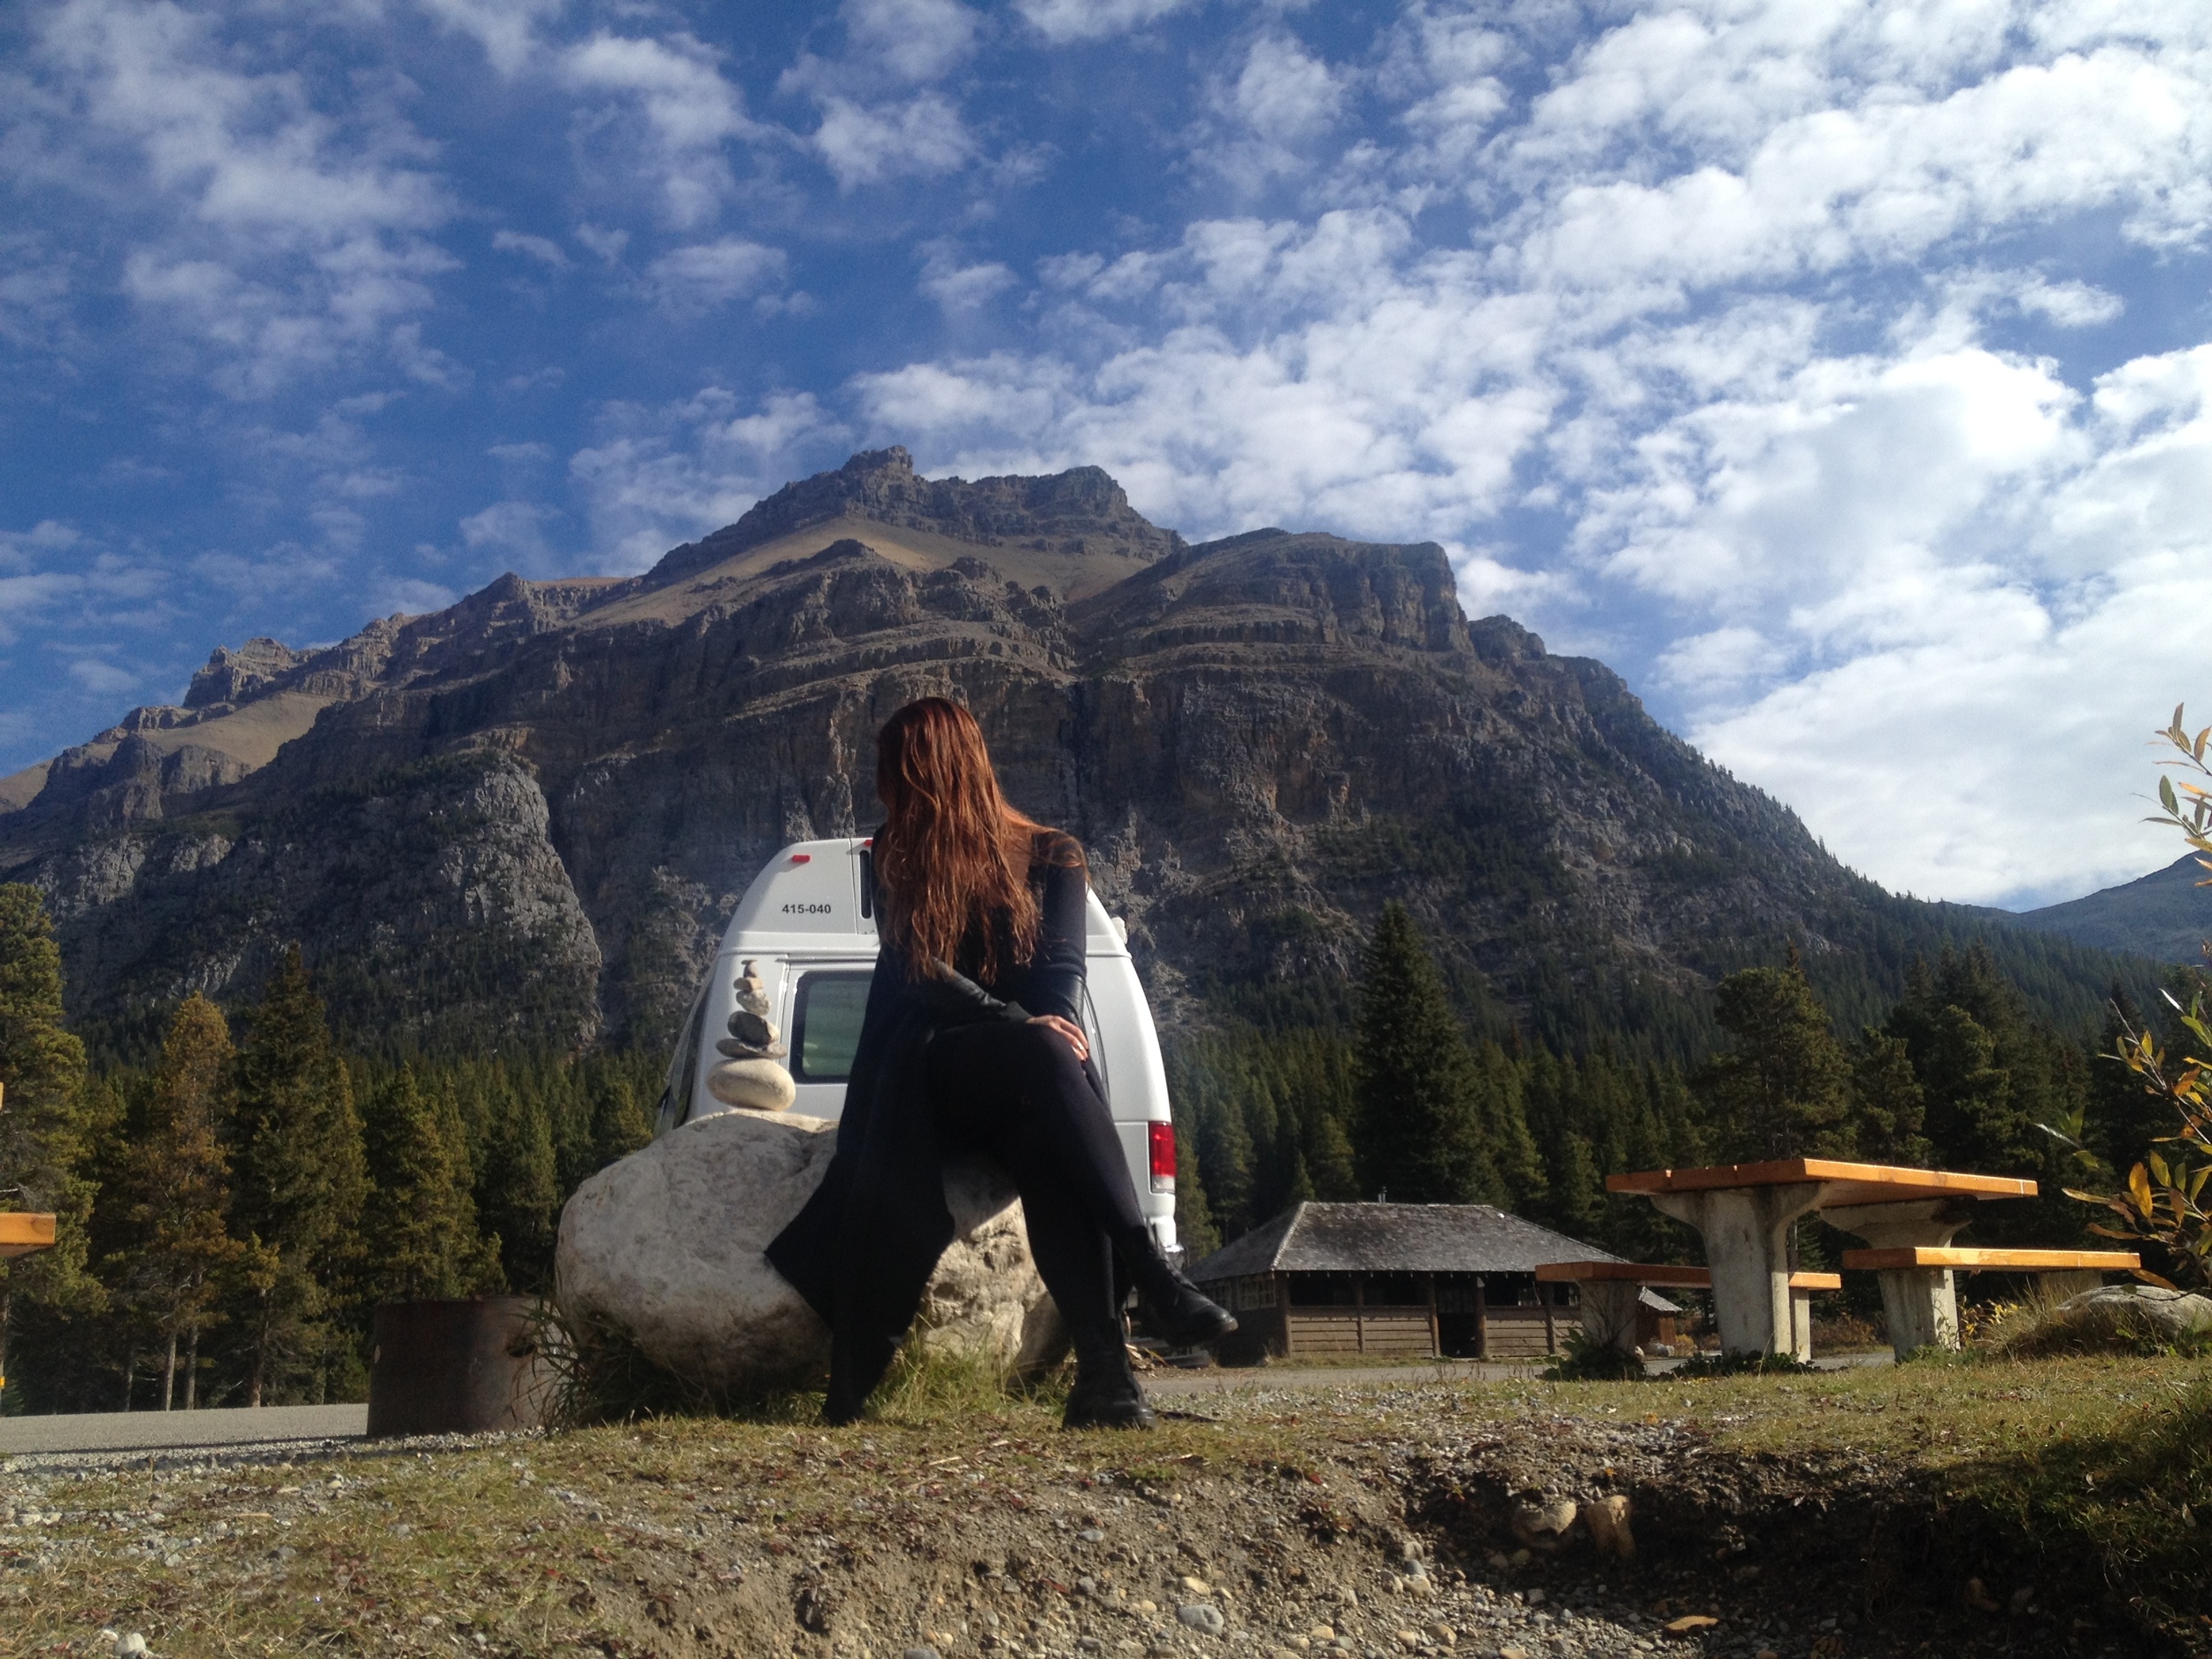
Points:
1609	1291
1916	1276
22	1232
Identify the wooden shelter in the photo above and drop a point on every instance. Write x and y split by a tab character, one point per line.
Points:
1455	1281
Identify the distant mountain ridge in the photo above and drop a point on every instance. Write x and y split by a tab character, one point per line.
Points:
526	817
2166	916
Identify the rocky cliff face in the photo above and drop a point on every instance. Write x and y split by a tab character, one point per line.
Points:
532	813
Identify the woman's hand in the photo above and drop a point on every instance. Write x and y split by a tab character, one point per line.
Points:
1066	1028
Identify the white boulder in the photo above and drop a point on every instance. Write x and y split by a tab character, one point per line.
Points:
666	1245
2171	1314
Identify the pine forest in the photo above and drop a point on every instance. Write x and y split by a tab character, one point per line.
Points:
236	1200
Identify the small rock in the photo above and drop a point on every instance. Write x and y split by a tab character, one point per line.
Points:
1536	1597
2023	1599
1690	1624
1543	1523
1409	1639
1766	1653
1196	1586
1201	1616
1519	1558
1323	1632
920	1653
1979	1598
758	1085
1444	1633
1092	1535
1608	1521
132	1646
1512	1652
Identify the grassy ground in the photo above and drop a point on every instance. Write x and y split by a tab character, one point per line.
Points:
2040	1507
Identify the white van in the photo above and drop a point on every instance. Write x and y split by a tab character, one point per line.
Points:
808	923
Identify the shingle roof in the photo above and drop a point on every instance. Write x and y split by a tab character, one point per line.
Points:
1313	1237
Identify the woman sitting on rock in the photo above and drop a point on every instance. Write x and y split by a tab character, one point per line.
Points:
972	1042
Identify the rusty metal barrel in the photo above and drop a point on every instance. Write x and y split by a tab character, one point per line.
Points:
457	1367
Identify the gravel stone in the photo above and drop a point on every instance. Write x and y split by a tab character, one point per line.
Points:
1200	1616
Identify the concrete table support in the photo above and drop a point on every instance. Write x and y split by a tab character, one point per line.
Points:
1746	1234
1920	1304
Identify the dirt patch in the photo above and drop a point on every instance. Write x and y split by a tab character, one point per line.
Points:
1356	1521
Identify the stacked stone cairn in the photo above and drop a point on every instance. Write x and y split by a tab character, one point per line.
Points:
750	1074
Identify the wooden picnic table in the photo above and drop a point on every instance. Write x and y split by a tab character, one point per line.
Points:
21	1232
1746	1213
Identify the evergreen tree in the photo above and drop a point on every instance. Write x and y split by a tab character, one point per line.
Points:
2124	1116
620	1124
44	1118
1515	1158
519	1191
1891	1106
1419	1133
300	1177
1225	1152
421	1236
1194	1227
178	1179
1329	1161
1781	1091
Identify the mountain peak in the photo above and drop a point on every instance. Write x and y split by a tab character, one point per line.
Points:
1082	511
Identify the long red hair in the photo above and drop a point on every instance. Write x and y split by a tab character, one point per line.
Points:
953	857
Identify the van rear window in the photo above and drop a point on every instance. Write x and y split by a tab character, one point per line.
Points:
825	1024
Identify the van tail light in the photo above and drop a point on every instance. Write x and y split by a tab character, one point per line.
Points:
1161	1138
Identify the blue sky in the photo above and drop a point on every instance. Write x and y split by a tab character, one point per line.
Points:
1837	371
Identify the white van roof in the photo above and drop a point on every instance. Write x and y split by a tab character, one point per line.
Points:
818	897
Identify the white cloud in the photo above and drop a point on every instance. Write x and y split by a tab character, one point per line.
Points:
918	138
515	531
957	287
412	596
1065	21
103	678
506	29
663	476
285	237
916	41
2070	305
1284	94
539	248
709	274
688	113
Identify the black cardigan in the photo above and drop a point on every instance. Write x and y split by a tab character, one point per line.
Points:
861	1250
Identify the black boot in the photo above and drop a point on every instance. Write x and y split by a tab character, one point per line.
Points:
1175	1311
1106	1394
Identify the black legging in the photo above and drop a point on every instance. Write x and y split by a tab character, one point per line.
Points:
1019	1093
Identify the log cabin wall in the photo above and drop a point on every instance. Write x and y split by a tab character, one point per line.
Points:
1339	1315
